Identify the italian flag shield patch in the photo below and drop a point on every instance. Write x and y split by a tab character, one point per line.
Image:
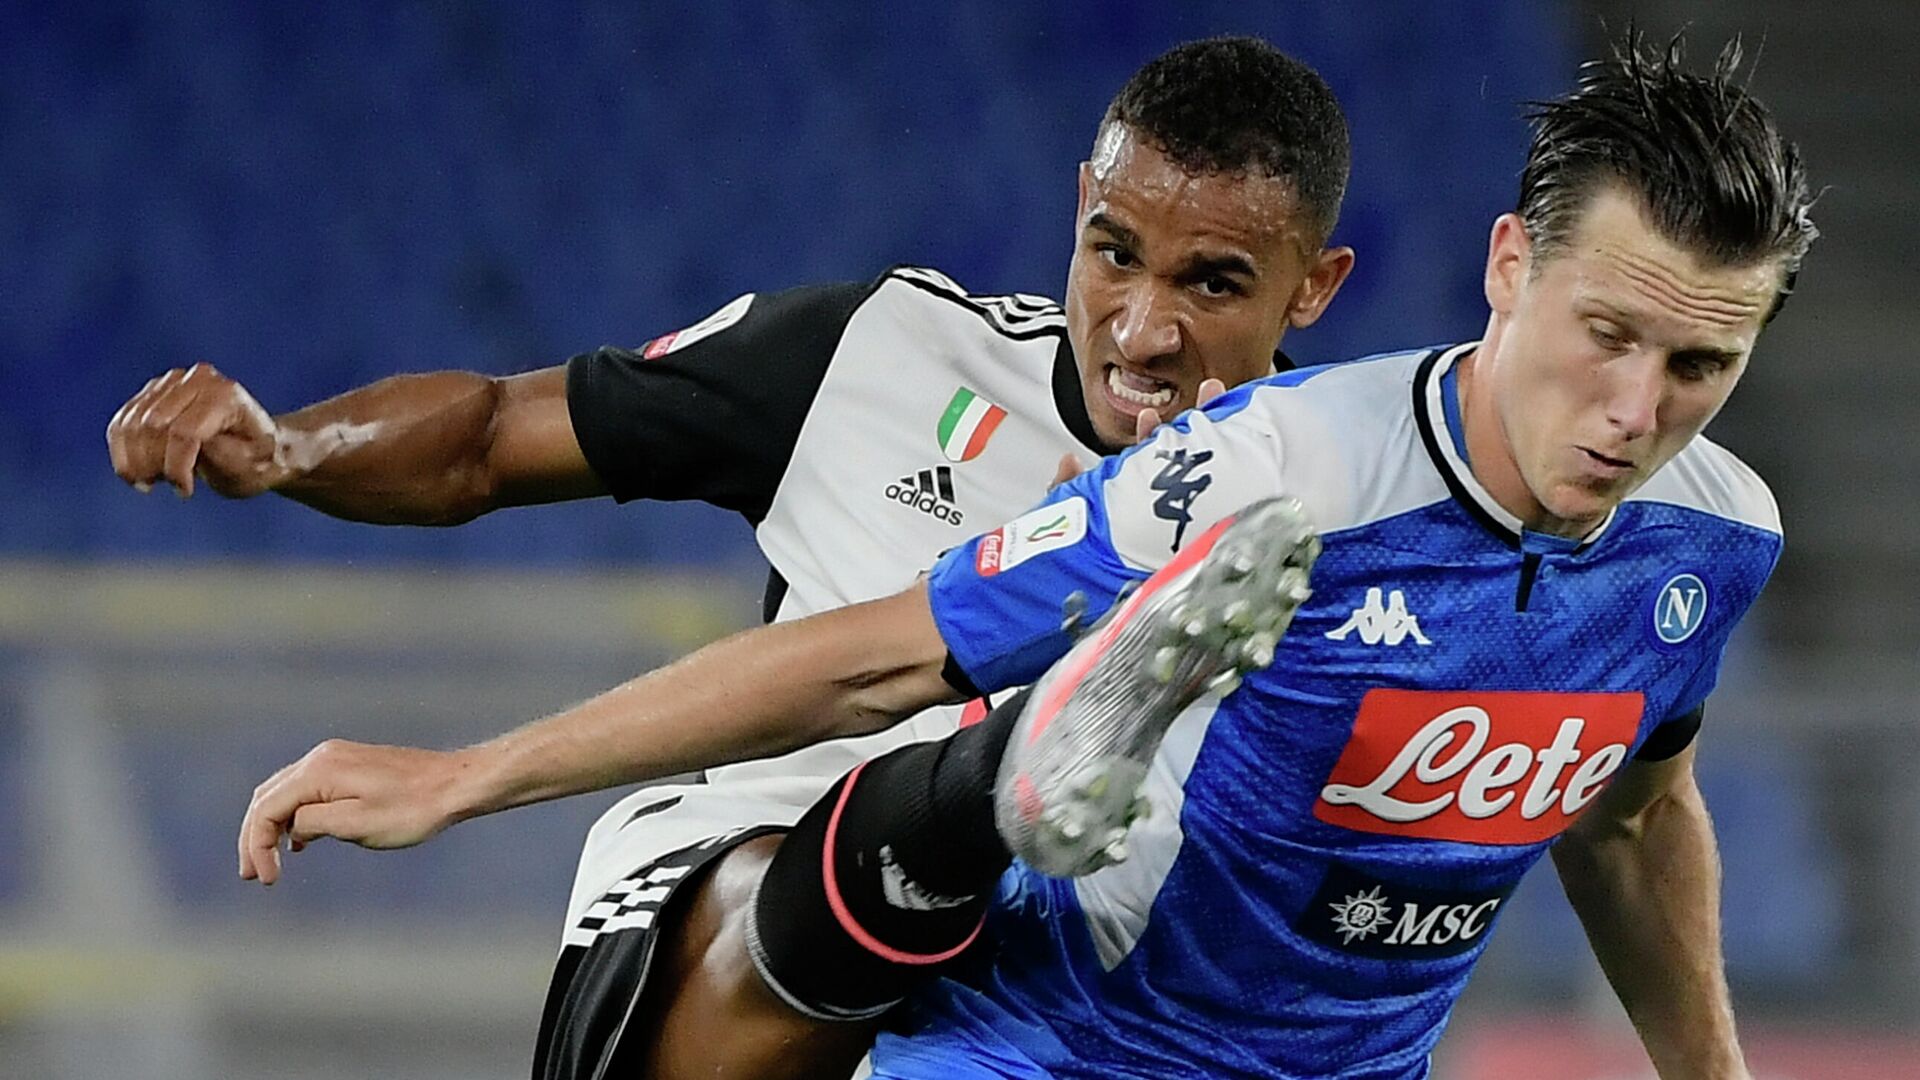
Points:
967	425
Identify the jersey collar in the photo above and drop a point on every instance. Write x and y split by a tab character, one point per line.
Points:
1070	401
1436	418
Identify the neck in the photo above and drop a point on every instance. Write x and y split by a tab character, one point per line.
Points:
1490	456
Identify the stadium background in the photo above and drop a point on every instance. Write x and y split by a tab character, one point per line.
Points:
312	198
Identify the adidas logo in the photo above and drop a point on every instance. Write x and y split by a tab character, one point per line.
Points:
930	492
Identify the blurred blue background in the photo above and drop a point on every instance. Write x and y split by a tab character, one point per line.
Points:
314	197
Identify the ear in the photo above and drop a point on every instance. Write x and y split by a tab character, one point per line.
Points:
1316	290
1080	205
1509	261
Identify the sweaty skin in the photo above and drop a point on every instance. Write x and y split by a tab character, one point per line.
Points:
1178	278
1586	352
435	449
1601	362
1180	286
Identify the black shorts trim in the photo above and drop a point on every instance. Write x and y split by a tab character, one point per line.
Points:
595	987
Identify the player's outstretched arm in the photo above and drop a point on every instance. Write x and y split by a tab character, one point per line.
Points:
758	693
1642	870
433	449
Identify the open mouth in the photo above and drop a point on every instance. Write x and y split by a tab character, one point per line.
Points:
1609	462
1140	391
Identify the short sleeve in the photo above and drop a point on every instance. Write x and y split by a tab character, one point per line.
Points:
710	412
1671	737
1002	601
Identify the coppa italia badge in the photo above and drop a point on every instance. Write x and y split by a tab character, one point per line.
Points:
1480	767
967	424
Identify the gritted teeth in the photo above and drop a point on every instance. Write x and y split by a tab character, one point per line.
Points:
1142	390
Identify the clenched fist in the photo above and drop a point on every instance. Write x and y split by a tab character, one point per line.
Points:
197	421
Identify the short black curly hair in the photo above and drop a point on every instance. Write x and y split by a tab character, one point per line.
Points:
1235	104
1701	154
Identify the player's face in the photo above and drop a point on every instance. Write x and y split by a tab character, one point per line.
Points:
1179	278
1602	361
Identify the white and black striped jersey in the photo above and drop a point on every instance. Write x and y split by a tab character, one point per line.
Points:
863	429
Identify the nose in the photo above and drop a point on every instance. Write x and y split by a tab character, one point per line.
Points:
1636	388
1146	327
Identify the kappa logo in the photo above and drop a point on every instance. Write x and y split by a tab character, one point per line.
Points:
1479	767
1178	487
1377	625
1680	608
930	491
1359	913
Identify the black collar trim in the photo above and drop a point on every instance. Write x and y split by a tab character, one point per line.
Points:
1426	393
1430	416
1071	401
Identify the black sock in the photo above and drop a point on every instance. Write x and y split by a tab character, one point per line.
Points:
915	858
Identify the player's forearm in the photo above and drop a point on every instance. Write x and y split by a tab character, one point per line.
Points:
408	450
756	694
1648	893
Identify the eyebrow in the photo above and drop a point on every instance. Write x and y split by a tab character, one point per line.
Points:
1200	266
1723	357
1101	220
1206	266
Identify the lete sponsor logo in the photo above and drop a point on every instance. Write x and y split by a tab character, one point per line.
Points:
1480	767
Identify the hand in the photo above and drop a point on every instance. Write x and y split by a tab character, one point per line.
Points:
374	796
196	420
1143	424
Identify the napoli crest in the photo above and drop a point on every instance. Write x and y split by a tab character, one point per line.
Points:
1679	608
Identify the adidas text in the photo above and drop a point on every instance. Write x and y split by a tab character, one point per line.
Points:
930	492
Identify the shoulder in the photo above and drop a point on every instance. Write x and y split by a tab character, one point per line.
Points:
1370	392
1340	438
1345	436
926	293
1708	478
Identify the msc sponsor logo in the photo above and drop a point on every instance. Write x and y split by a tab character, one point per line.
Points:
1680	608
930	492
1479	767
1357	913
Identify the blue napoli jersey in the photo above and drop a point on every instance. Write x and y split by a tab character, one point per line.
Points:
1331	845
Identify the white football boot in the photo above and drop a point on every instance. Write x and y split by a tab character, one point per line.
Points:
1069	783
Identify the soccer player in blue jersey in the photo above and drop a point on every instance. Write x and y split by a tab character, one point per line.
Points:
1525	564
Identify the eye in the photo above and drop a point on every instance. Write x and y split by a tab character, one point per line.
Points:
1216	287
1690	367
1607	336
1117	256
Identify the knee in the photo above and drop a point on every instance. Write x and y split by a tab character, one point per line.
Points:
712	938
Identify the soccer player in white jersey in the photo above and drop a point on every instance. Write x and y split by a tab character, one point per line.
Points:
863	429
1528	566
